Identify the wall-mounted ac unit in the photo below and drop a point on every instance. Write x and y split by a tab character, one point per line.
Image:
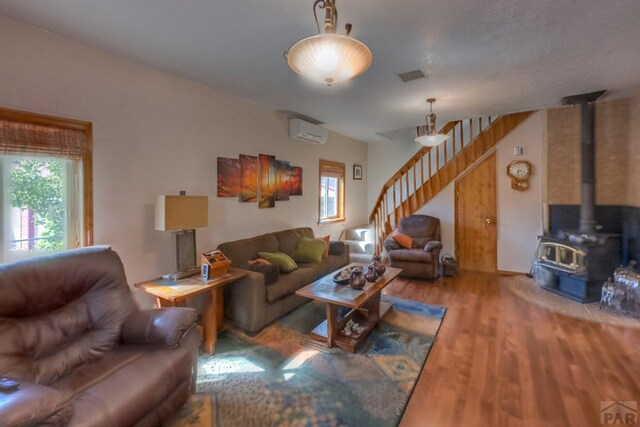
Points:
307	132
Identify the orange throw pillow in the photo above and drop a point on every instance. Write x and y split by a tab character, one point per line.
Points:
258	261
326	241
402	239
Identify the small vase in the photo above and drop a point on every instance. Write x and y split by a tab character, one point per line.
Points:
357	280
371	274
378	265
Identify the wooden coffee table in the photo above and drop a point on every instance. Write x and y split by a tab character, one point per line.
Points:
174	293
366	307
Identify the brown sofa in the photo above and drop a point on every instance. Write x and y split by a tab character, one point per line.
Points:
423	259
85	355
252	304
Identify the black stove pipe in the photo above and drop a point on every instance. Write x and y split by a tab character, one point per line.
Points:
587	114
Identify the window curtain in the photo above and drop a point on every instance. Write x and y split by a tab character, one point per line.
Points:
332	169
17	138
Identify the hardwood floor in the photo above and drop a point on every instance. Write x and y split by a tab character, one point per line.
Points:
499	360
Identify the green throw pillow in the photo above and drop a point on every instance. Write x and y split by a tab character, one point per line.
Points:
283	261
309	250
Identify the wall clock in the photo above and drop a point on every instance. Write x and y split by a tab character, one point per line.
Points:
519	171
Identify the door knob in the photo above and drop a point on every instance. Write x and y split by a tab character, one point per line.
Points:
489	221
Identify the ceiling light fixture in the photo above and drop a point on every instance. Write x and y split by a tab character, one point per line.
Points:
432	137
328	57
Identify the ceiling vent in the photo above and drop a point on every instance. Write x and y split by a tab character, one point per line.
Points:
412	75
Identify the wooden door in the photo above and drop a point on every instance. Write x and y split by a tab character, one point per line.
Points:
476	245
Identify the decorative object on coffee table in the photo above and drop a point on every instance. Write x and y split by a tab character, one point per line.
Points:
343	276
357	280
371	275
366	307
378	265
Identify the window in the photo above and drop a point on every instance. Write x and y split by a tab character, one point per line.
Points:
332	197
45	180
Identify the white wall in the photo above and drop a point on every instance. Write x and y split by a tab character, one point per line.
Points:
385	158
156	133
442	206
519	214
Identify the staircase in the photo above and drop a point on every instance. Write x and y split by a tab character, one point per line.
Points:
432	168
360	241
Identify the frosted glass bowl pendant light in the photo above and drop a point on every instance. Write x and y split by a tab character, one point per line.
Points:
328	57
432	137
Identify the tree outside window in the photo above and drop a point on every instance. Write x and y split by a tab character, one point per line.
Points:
37	197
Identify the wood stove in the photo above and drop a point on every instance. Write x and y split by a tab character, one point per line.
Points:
581	260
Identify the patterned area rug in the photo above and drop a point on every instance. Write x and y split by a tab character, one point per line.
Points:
281	377
526	289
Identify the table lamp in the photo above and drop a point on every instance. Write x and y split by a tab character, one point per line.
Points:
182	215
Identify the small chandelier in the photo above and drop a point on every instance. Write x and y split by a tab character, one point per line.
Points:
432	137
328	57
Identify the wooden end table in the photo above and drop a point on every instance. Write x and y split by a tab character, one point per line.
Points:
366	307
174	293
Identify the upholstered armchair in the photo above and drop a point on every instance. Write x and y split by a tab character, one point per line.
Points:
415	246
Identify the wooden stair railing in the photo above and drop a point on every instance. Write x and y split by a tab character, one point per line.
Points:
432	168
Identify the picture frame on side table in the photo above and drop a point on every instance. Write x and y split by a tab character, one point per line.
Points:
357	172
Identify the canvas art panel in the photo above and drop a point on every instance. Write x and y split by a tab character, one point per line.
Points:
228	177
283	178
268	181
295	177
248	178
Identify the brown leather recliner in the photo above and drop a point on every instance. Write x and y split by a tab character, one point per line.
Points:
83	352
423	259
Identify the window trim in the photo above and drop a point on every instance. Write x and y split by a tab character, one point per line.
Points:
330	167
86	160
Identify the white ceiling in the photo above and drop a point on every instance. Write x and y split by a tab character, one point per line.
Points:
482	56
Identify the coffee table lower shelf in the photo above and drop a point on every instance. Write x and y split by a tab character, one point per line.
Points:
363	316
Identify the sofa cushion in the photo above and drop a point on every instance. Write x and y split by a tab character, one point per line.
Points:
240	251
310	250
328	265
411	255
288	283
284	262
270	272
33	404
124	385
288	239
326	239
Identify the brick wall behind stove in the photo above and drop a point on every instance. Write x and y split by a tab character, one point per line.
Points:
613	153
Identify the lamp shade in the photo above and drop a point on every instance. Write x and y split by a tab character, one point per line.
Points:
432	140
329	58
181	212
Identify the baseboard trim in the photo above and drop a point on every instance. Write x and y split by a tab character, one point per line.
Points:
510	273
